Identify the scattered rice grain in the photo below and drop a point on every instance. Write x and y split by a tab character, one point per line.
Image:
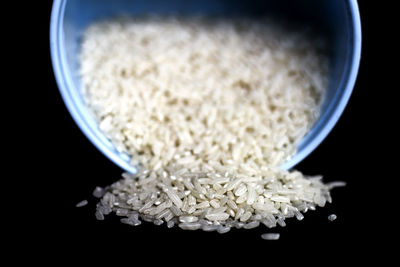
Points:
81	203
270	236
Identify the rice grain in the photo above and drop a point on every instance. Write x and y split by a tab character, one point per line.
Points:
81	203
270	236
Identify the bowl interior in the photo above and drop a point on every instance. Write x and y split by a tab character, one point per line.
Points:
337	19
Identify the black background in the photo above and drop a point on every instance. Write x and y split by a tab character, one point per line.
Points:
69	167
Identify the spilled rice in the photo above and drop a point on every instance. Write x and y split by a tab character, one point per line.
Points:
208	109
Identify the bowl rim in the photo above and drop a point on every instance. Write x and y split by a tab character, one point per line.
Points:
320	130
331	117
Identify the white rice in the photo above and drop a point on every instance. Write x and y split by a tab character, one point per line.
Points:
332	217
81	203
208	109
270	236
98	192
206	94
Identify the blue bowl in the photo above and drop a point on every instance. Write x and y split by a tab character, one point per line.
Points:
338	19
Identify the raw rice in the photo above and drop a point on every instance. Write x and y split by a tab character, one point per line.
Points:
332	217
208	109
81	203
270	236
199	92
98	192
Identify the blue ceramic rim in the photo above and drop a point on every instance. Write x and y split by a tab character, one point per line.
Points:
320	130
64	82
337	105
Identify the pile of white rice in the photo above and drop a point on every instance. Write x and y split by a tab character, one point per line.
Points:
208	109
